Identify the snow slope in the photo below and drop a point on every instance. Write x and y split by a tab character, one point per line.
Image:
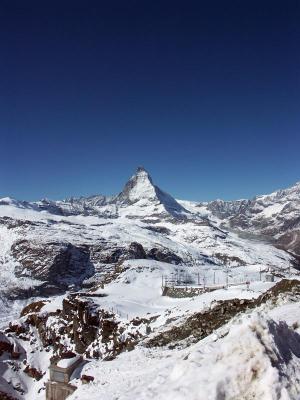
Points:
252	361
239	363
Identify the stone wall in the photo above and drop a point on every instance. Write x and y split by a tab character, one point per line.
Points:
180	292
58	391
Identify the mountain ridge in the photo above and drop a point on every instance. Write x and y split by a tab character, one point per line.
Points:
275	215
101	199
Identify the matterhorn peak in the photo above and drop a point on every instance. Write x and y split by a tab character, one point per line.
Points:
140	186
141	190
141	169
142	173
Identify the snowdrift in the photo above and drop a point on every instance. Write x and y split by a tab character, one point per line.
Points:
258	359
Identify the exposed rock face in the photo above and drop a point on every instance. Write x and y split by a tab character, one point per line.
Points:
87	379
90	330
83	327
111	254
164	255
56	266
34	307
59	264
229	260
225	209
290	241
81	206
276	215
136	251
97	333
159	229
5	345
11	223
199	325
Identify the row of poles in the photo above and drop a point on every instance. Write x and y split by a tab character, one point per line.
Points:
185	279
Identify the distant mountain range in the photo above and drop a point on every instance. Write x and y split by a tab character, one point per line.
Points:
50	245
276	215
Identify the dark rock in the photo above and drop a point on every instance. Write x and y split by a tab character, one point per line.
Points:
5	346
107	253
17	328
59	264
290	241
164	255
136	251
33	372
159	229
87	379
32	308
229	260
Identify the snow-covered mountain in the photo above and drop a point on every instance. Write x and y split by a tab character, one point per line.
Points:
276	216
271	215
140	196
52	245
128	243
141	192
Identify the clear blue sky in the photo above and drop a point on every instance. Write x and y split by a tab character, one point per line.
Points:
204	94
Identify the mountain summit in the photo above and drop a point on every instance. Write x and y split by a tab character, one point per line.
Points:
139	187
140	190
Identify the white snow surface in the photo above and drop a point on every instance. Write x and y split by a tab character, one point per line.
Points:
137	291
258	359
67	362
143	189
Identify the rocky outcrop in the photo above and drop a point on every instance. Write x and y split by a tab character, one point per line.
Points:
34	307
164	255
225	209
108	253
5	345
275	216
89	329
290	241
201	324
57	264
159	229
96	332
229	260
33	372
85	379
83	327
